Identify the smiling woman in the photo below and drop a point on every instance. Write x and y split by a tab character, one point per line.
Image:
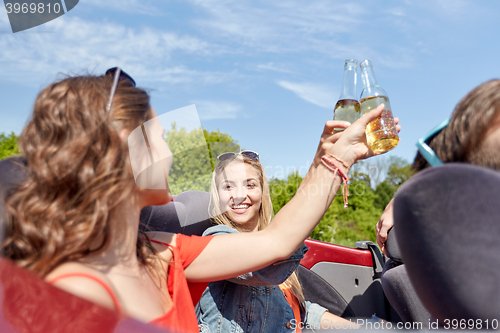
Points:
241	202
238	187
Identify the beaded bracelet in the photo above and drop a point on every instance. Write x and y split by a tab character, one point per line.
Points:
334	167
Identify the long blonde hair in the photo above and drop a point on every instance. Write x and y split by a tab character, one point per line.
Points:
265	212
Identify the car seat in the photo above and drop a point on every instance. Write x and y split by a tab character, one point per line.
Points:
398	288
187	214
447	222
12	174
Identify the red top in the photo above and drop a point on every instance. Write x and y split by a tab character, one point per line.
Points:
184	295
181	315
294	303
96	279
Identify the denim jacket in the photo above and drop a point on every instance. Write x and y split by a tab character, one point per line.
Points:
252	302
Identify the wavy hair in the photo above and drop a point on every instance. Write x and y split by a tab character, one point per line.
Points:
463	139
265	212
78	172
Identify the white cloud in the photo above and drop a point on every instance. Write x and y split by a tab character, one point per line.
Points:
397	11
131	6
320	95
318	31
76	45
271	66
300	26
210	110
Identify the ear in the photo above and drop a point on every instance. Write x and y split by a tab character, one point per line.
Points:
124	133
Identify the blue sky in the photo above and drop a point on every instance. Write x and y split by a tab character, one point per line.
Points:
267	73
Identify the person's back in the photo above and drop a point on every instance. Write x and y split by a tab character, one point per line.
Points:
471	136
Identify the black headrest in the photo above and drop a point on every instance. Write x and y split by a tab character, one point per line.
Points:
447	223
12	174
187	214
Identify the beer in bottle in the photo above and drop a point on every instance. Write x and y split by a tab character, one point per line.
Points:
347	107
381	133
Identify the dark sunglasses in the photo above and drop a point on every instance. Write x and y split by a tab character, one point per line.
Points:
427	152
251	155
118	75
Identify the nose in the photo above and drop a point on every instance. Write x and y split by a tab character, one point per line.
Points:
239	193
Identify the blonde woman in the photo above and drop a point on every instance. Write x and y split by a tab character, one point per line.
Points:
267	300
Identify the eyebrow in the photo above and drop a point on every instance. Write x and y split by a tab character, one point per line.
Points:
231	181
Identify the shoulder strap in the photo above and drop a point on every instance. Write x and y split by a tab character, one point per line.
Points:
94	278
157	241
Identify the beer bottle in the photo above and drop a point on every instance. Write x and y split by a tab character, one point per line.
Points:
381	133
347	107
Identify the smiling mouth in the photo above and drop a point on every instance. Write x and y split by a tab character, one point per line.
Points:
240	208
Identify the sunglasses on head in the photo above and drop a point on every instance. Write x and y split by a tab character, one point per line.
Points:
425	150
251	155
118	75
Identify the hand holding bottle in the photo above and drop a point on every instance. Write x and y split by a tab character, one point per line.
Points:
349	145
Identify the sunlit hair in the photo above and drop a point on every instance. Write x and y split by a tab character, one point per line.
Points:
265	211
79	171
463	139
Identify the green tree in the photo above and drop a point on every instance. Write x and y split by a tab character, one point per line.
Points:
357	221
219	143
8	145
384	191
283	191
194	158
360	171
338	225
399	171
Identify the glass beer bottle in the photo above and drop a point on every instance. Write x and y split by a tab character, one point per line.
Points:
381	134
347	107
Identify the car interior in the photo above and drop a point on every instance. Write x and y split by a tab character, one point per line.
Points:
446	227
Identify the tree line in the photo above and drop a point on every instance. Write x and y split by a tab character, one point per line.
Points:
372	184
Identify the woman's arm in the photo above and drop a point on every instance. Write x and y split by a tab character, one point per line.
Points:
232	255
329	321
273	274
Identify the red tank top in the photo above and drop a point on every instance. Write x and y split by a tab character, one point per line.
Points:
181	315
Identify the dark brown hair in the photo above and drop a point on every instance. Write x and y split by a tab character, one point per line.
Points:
463	139
79	171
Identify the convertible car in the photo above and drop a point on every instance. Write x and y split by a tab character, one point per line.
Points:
446	225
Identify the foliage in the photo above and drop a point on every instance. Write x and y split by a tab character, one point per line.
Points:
384	191
283	191
356	222
361	172
194	160
8	145
219	143
398	172
338	225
